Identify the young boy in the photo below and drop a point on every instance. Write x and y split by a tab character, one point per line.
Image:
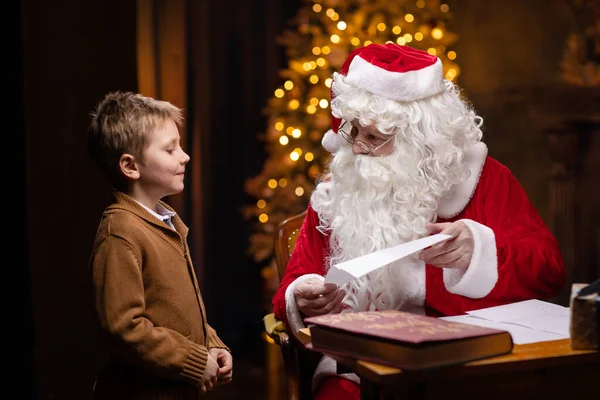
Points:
147	298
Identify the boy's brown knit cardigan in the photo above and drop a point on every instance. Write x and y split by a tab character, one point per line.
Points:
149	306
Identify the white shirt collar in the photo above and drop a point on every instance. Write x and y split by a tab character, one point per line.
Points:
161	213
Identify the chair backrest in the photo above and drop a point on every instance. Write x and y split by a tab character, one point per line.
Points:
284	240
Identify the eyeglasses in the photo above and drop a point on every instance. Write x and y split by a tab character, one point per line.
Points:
349	133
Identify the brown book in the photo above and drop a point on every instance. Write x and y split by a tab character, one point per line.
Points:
404	340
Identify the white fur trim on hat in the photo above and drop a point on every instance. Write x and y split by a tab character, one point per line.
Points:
481	275
398	86
331	141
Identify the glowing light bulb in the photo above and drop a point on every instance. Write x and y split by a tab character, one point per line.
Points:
293	104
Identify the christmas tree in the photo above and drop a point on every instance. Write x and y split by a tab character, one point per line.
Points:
320	38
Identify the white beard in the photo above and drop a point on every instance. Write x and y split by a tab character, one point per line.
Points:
373	203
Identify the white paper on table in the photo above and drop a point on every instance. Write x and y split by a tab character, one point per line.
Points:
535	314
519	334
348	270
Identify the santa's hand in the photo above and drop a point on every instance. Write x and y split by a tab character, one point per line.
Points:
314	297
455	252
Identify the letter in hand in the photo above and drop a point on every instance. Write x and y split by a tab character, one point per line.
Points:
314	297
210	376
225	361
455	252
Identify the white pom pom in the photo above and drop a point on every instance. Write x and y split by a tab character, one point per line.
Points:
331	141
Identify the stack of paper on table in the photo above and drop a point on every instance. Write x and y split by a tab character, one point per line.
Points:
527	321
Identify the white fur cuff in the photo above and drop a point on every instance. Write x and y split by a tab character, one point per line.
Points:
480	277
291	308
328	367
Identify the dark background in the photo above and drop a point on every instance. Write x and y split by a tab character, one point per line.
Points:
66	54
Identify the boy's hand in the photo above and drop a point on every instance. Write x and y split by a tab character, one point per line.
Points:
225	361
210	376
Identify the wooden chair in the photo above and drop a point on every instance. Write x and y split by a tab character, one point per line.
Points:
299	364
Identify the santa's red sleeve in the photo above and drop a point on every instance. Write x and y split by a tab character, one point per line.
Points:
307	261
516	257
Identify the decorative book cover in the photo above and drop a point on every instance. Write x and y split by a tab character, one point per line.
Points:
405	340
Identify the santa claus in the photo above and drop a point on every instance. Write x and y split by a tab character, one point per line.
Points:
408	161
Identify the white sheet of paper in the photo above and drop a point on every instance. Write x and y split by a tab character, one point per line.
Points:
519	334
535	314
348	270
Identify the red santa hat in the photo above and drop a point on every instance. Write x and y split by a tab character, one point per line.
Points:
395	72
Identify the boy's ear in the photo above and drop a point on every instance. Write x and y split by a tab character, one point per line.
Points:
129	166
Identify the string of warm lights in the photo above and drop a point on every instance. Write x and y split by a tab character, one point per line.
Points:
327	31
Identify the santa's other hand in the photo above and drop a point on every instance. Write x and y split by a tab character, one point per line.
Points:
455	252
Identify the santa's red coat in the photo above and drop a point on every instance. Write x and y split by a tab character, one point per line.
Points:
515	255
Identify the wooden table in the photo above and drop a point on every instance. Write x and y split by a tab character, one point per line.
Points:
545	370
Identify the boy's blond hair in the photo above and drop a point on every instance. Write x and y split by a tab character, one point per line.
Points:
120	125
